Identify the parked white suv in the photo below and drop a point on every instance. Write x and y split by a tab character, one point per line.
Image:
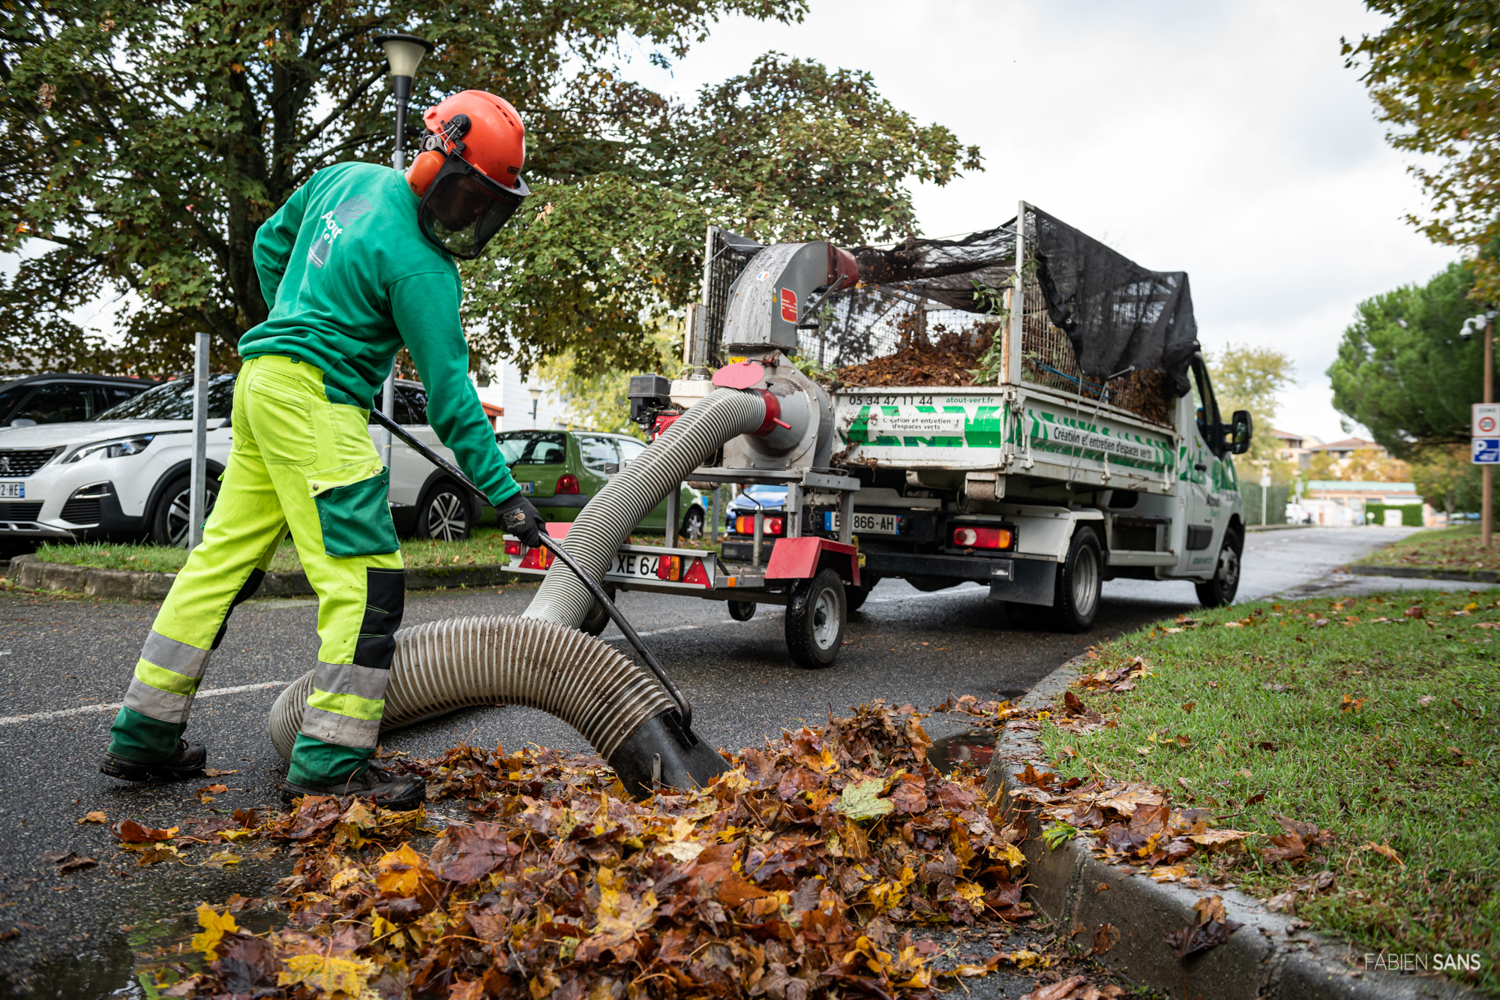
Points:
126	472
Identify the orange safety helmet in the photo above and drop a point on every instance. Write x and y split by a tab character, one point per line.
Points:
469	171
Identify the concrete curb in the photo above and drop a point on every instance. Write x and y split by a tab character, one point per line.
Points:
1423	573
1266	958
1278	527
33	574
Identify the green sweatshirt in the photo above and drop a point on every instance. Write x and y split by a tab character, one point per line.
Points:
350	279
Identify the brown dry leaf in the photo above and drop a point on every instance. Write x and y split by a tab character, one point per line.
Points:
1062	990
131	832
1106	936
1285	902
1385	851
93	817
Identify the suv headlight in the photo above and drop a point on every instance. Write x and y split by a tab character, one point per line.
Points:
112	449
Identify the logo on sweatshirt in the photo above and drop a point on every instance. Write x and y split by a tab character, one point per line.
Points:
334	222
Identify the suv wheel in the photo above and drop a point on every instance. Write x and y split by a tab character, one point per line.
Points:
170	520
446	513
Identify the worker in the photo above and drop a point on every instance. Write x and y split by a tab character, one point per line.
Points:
357	264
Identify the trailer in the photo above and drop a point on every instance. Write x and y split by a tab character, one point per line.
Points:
1085	444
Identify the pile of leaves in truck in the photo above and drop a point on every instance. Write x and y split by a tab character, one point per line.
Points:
941	356
788	877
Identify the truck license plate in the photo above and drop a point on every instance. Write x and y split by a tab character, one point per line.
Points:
13	491
868	524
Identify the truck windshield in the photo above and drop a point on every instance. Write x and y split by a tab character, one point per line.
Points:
533	447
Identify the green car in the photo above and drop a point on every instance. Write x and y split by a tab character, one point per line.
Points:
560	471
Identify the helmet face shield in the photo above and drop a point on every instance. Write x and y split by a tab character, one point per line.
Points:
463	209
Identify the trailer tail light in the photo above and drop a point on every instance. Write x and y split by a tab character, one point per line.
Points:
745	525
567	483
983	538
537	558
669	568
512	547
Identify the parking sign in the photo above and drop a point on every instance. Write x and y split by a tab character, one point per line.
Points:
1485	422
1486	451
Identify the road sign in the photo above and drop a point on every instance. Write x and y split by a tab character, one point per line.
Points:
1485	421
1486	451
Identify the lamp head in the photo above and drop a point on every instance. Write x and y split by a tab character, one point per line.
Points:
403	52
536	394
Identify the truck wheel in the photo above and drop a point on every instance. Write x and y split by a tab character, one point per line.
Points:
597	620
1219	591
855	596
742	611
1079	579
815	618
169	521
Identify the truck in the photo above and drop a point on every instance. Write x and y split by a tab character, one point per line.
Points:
1023	407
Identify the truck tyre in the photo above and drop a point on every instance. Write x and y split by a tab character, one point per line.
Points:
446	513
1220	591
169	520
742	611
855	596
597	620
815	618
1079	580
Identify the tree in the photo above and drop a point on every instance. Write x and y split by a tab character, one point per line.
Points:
1434	73
1250	378
1371	465
142	144
598	400
1446	477
1403	371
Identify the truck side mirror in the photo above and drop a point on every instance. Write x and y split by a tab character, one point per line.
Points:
1241	428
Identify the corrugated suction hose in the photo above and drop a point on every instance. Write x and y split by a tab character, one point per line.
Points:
541	660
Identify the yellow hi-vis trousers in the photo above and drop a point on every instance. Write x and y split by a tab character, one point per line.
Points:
299	462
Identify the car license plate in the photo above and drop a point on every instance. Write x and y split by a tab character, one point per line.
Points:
868	524
635	564
527	487
12	491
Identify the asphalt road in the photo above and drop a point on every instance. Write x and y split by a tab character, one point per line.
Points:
60	659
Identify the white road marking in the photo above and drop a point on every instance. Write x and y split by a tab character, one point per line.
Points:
660	631
924	597
11	720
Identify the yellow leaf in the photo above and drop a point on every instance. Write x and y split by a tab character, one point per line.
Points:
93	817
222	859
380	927
343	879
328	975
400	872
973	893
1010	854
215	926
1385	851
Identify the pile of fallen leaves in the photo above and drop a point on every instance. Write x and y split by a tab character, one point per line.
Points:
946	357
787	877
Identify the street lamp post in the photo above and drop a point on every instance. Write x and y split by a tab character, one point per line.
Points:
402	54
536	396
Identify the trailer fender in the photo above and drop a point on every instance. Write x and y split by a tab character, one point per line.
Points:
803	558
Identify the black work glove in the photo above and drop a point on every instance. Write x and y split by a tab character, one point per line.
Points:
519	518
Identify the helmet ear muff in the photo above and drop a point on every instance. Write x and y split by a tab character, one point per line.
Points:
424	169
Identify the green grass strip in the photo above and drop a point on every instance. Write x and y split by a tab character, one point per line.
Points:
1450	549
1377	718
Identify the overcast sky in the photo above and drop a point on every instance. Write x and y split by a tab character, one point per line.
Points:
1225	139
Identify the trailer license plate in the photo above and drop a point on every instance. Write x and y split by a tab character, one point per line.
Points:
13	491
527	487
635	564
868	524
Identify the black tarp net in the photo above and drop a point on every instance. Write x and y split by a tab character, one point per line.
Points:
1117	316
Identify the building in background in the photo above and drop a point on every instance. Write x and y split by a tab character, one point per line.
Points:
1294	447
1335	503
508	391
1342	451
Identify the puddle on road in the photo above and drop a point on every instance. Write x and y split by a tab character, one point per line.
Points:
974	748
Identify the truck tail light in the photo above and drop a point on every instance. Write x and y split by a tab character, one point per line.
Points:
669	568
512	547
983	538
745	525
567	483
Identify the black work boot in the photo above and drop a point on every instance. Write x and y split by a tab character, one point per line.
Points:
185	763
388	791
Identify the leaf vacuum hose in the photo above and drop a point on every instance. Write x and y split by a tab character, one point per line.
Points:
541	660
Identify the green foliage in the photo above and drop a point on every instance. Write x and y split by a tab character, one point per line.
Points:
1402	369
1411	513
1058	833
1447	478
1434	72
142	144
1250	378
596	400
